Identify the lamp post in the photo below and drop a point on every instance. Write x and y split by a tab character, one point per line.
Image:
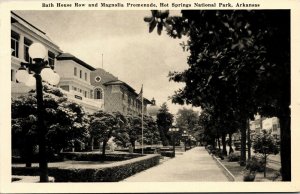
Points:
173	130
184	135
42	71
190	141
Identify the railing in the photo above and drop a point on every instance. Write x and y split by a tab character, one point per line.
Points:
77	97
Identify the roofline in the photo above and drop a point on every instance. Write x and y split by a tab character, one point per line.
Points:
123	83
46	40
76	60
28	22
128	86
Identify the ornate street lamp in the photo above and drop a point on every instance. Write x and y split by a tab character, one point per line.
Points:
42	71
173	130
184	135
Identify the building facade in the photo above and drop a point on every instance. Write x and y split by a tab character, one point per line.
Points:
75	81
74	73
263	123
94	89
153	109
117	95
23	34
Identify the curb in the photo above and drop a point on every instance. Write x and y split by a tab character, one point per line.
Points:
227	173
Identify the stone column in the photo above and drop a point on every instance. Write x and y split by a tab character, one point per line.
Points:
21	47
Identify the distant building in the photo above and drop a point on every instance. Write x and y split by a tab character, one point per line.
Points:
117	95
268	124
272	124
256	124
153	109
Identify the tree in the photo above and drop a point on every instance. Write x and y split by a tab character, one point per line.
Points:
157	19
104	125
134	128
122	137
236	61
187	119
265	144
72	128
151	133
64	121
164	122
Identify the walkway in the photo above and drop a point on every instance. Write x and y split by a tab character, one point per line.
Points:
194	165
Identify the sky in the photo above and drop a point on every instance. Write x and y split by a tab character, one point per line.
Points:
129	51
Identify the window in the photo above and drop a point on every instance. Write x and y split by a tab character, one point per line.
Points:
275	127
85	76
65	88
98	93
51	57
27	43
75	71
12	74
74	88
80	90
85	93
91	94
80	74
98	79
15	37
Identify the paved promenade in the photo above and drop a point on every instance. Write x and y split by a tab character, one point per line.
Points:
194	165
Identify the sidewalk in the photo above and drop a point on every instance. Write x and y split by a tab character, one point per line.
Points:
194	165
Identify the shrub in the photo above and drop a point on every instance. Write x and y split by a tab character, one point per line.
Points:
112	173
167	154
255	164
209	147
249	176
217	153
234	157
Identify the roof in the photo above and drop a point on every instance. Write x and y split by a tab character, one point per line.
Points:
17	19
119	82
68	56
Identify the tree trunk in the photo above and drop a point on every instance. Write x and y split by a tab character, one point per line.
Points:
163	137
230	143
219	144
243	145
248	140
265	169
28	155
92	144
103	148
133	145
285	146
224	151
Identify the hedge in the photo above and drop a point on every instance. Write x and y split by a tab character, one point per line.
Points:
167	154
115	172
92	156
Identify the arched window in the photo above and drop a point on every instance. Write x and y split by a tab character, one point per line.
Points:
98	93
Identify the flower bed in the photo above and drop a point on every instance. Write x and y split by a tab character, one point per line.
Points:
95	173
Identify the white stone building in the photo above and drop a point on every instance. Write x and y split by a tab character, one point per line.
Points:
74	73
